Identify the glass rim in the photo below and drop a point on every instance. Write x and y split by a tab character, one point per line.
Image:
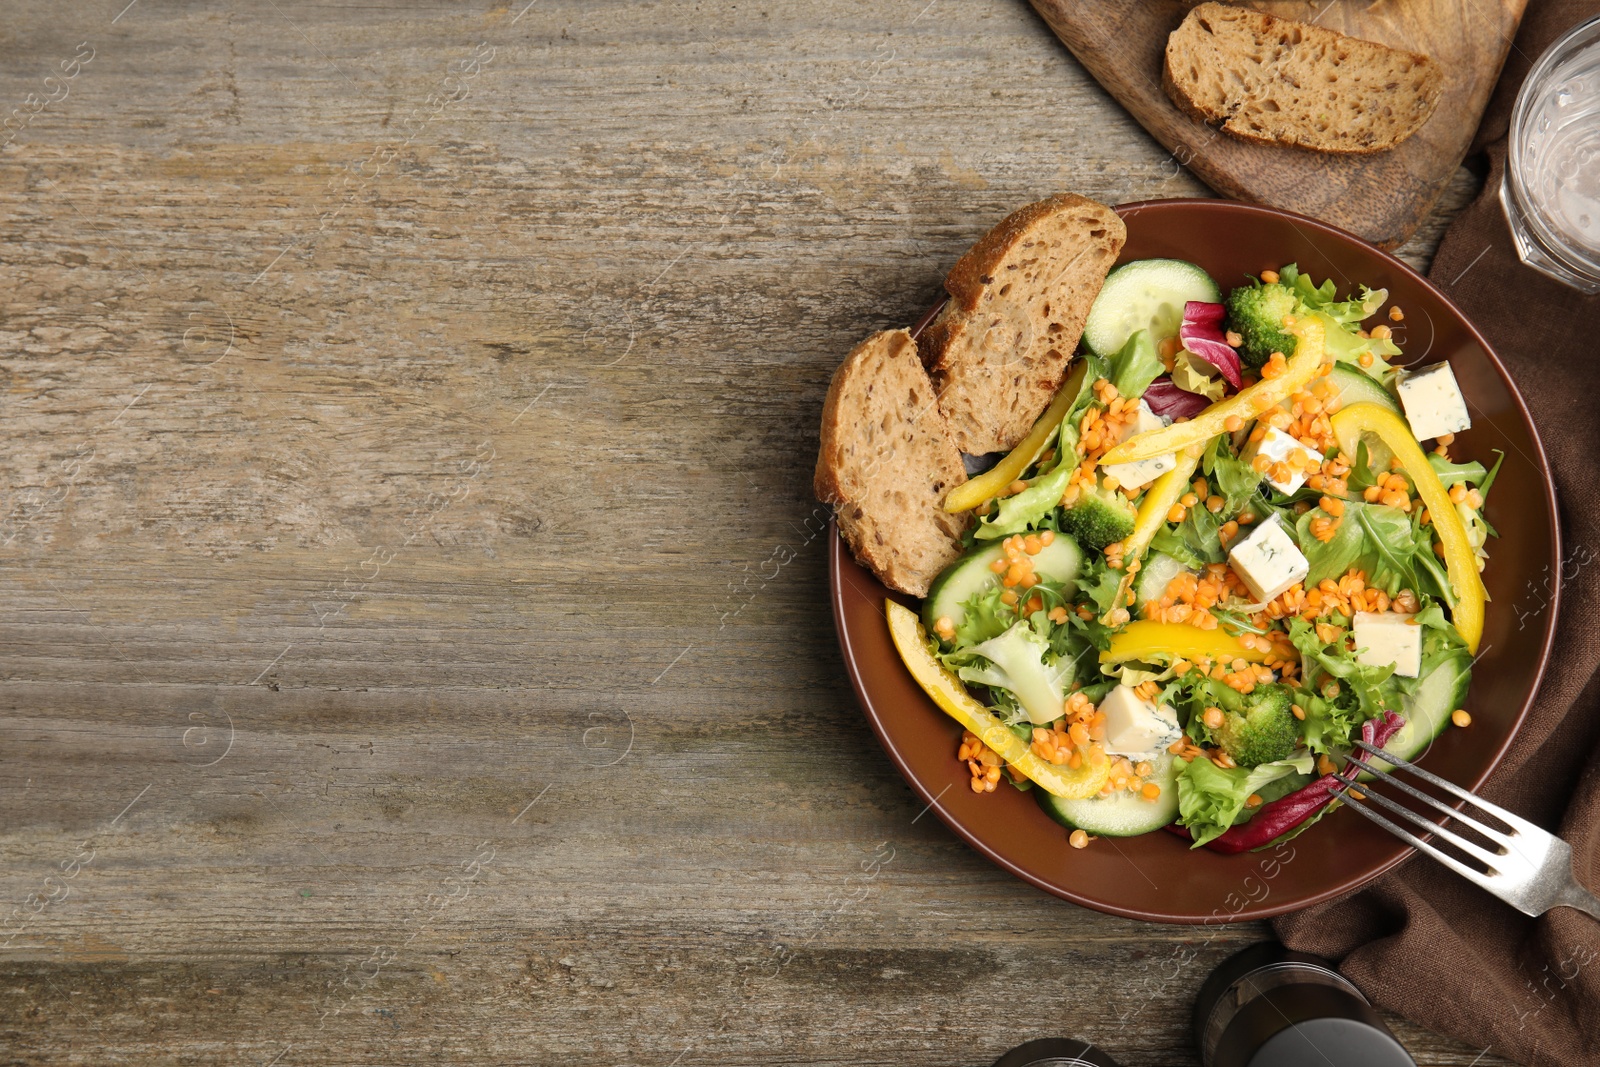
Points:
1556	244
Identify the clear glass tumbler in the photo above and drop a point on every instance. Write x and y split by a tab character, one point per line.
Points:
1551	191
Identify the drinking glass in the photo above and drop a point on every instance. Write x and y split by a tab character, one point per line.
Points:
1551	190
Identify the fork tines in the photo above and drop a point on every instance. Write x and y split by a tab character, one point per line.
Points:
1525	866
1489	861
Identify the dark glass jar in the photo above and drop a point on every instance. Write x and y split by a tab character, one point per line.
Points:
1269	1007
1055	1052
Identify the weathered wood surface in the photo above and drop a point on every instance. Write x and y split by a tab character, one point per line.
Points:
1383	197
414	646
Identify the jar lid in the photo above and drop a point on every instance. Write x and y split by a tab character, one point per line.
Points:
1269	1007
1055	1052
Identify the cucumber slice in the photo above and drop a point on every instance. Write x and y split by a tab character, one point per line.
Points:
1155	573
1122	815
1359	387
1059	561
1441	691
1147	294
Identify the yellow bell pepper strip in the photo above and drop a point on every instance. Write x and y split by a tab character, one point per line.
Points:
1247	404
1460	562
952	697
1164	492
989	484
1167	642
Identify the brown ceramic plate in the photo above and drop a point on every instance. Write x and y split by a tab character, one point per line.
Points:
1156	876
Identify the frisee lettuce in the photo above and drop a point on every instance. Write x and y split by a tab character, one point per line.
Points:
1341	319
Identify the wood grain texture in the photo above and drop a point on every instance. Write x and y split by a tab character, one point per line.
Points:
415	643
1383	197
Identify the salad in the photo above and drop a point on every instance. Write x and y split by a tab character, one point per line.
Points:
1235	543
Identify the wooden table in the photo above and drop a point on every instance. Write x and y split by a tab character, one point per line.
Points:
415	641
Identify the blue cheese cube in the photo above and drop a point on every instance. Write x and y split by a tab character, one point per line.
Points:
1279	447
1385	637
1140	473
1268	560
1433	402
1135	727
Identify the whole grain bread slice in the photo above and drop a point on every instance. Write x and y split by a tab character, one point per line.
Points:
886	463
1276	81
1018	301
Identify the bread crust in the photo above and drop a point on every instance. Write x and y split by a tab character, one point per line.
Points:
886	463
998	355
1238	104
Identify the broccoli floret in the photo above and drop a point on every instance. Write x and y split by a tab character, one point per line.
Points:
1098	517
1264	731
1257	313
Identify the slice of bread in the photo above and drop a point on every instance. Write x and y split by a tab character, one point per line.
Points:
886	463
1018	301
1276	81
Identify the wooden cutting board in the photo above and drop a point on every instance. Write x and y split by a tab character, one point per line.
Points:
1382	197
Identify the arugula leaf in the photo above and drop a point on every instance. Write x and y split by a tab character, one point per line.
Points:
1136	366
1431	577
1095	692
1391	570
1362	475
1494	472
1099	583
1171	540
1233	479
1372	538
1194	541
1077	653
1341	319
1450	473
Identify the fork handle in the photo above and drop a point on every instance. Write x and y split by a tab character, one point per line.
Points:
1575	896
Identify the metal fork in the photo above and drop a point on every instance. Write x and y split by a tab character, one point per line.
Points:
1526	867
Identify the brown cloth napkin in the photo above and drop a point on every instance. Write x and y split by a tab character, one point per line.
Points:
1423	942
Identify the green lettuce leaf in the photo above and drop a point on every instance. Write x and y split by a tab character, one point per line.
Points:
1334	714
1172	541
1018	513
1324	297
1211	798
1136	366
1067	437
